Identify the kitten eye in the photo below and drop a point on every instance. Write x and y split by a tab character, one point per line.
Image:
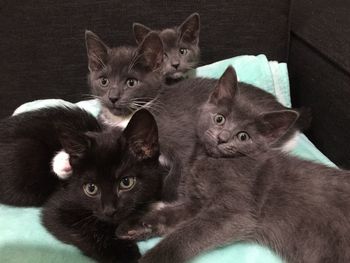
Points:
165	56
104	82
183	51
219	119
90	190
243	136
127	183
131	82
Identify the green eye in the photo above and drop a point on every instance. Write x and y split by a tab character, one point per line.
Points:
183	51
131	82
127	183
219	119
90	189
243	136
104	82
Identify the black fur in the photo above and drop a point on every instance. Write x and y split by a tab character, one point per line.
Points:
28	142
105	160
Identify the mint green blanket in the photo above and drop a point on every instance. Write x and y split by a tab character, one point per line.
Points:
23	239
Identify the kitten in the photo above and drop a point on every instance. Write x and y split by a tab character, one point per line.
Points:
28	142
124	78
297	208
225	126
181	50
115	175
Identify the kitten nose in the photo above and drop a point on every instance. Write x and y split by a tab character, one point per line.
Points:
175	64
223	137
113	99
109	210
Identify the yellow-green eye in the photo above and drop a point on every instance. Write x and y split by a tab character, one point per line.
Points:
131	82
127	183
183	51
243	136
219	119
90	189
104	82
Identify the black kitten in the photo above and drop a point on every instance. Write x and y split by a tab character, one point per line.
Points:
28	142
115	175
181	50
297	208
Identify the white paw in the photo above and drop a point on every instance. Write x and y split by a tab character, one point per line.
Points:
61	166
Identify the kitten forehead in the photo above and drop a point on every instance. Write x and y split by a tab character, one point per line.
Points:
169	38
121	57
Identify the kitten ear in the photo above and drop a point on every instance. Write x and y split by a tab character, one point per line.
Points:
226	87
151	51
142	135
189	29
97	51
273	125
76	144
140	32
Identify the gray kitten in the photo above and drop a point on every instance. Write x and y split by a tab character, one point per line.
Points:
124	78
297	208
181	50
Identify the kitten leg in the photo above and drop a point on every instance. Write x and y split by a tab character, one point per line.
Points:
61	166
209	229
159	221
72	224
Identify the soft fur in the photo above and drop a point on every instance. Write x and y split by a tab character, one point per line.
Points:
105	160
28	142
175	107
250	192
181	49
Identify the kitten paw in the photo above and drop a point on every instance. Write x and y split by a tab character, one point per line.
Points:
61	166
137	232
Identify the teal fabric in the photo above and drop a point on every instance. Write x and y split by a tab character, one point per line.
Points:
23	239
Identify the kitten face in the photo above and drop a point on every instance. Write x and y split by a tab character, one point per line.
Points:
124	79
181	50
227	127
115	173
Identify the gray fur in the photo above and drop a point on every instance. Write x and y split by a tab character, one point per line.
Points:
297	208
118	66
186	36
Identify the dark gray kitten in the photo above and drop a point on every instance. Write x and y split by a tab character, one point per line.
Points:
124	78
181	107
297	208
181	50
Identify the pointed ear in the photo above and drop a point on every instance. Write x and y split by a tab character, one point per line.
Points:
140	32
189	29
141	135
151	51
97	51
226	87
273	125
76	144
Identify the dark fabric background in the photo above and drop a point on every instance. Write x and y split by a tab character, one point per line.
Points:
319	68
42	52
